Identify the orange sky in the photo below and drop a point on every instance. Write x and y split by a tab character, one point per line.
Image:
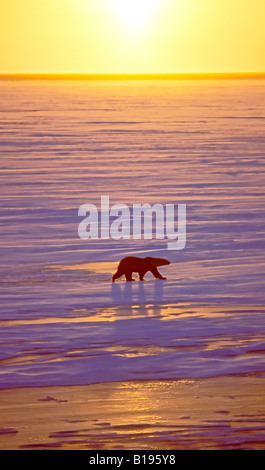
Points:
132	36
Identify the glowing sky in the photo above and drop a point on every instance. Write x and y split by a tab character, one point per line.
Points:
132	36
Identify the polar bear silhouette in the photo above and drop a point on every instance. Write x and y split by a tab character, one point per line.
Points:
133	264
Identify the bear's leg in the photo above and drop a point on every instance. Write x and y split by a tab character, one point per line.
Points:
141	275
157	274
117	275
128	276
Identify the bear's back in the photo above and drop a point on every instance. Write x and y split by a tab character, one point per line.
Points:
133	263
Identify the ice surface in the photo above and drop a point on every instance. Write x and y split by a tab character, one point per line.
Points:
64	144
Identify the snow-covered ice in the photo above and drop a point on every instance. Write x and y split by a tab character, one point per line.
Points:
64	144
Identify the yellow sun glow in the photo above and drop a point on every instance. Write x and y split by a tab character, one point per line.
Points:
132	36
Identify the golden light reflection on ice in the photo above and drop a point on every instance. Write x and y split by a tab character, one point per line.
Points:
185	414
120	312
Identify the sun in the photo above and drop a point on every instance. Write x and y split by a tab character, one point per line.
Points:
135	14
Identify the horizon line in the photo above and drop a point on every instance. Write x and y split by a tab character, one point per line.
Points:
133	76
